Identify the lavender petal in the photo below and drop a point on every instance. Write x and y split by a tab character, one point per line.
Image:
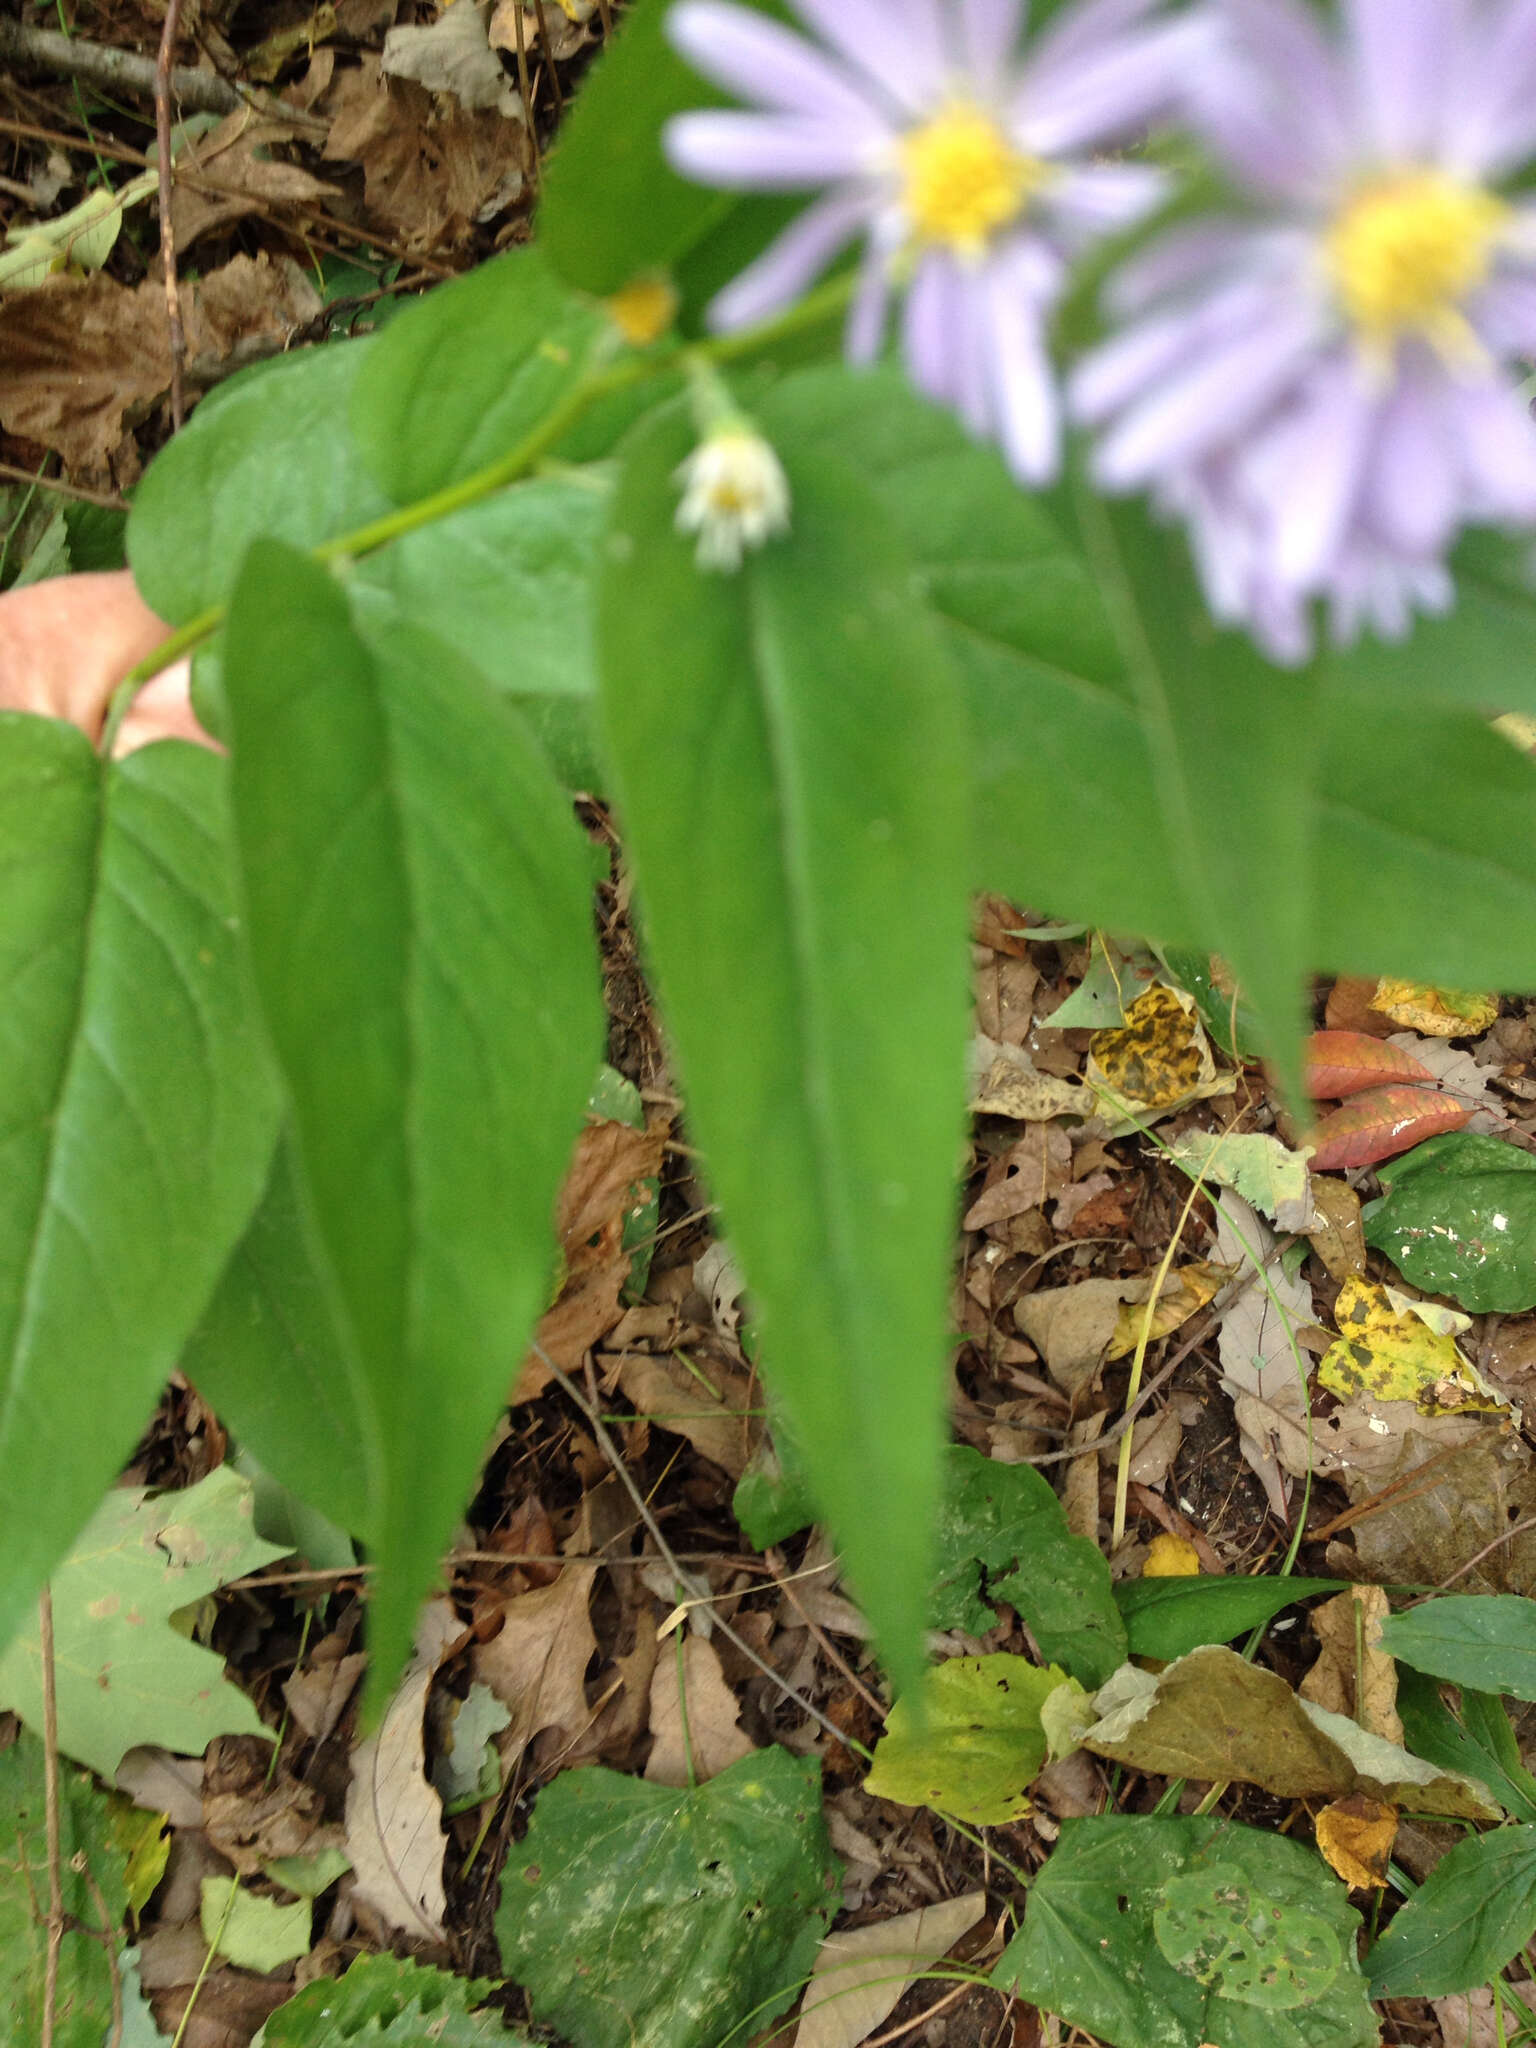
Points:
1497	440
988	36
1402	59
1413	490
789	263
762	152
1023	382
1489	123
897	43
871	301
1307	472
1100	199
765	64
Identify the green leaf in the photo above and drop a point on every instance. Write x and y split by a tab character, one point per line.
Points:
138	1106
1195	971
611	207
252	1932
418	901
385	2000
1459	1218
1478	1751
1168	1617
94	1900
1003	1528
269	1357
1472	1915
969	1741
636	1916
788	747
309	1874
1427	841
1485	1640
1169	1933
773	1497
462	376
123	1676
270	452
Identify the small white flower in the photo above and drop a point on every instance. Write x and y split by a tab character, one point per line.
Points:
735	495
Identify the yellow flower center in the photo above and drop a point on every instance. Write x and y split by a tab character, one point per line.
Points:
1406	251
962	179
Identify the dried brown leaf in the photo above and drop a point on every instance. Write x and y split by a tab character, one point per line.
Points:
1353	1675
712	1738
537	1664
859	1975
716	1424
229	174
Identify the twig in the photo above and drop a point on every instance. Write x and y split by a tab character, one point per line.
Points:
1132	1408
549	58
905	2027
117	70
611	1452
174	328
1487	1550
51	1815
819	1636
109	1939
19	475
526	89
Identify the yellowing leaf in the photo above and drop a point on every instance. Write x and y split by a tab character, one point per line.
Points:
1390	1353
252	1932
1158	1061
1171	1557
1262	1170
1356	1836
1186	1290
1437	1012
975	1744
643	310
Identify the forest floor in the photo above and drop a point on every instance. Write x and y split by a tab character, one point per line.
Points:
335	182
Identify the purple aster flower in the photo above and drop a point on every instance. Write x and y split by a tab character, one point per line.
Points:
959	163
1326	390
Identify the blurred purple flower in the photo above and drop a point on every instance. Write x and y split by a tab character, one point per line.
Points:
1327	392
959	163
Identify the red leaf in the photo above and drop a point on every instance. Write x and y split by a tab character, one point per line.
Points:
1381	1123
1344	1062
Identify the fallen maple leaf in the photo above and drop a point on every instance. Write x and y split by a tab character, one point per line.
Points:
1341	1063
1381	1123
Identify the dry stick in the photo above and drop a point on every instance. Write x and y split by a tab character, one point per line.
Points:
16	473
819	1636
99	64
174	328
526	89
549	58
51	1815
611	1453
1132	1408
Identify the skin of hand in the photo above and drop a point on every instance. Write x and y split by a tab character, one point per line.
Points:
65	645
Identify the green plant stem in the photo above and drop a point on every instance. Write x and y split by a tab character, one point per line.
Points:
510	468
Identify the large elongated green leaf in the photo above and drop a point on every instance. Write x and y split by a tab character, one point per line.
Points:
137	1105
270	452
1472	1915
419	912
789	751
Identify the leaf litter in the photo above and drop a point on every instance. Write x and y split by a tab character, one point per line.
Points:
1084	1045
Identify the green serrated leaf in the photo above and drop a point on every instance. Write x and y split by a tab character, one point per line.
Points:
969	1741
1474	1913
636	1916
1169	1617
252	1932
386	2000
418	900
138	1104
1484	1640
1005	1521
269	452
1171	1933
1459	1218
121	1678
464	374
788	748
94	1898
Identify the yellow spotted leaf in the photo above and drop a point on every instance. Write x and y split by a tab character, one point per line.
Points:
1158	1061
1436	1012
1388	1351
1356	1836
1188	1289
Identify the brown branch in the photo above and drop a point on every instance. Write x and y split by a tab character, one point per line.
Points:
51	1816
174	328
14	473
44	49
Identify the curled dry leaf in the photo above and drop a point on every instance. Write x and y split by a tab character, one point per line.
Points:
1356	1836
537	1665
1382	1122
394	1817
1353	1675
860	1975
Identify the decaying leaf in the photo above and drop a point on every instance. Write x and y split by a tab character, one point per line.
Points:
1158	1061
973	1744
1341	1063
1353	1675
1437	1012
537	1665
860	1974
453	55
710	1736
1393	1348
1257	1342
1073	1327
1033	1171
707	1404
1186	1290
1335	1232
232	173
1356	1836
394	1815
1429	1522
1211	1715
1008	1083
1382	1122
1262	1170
